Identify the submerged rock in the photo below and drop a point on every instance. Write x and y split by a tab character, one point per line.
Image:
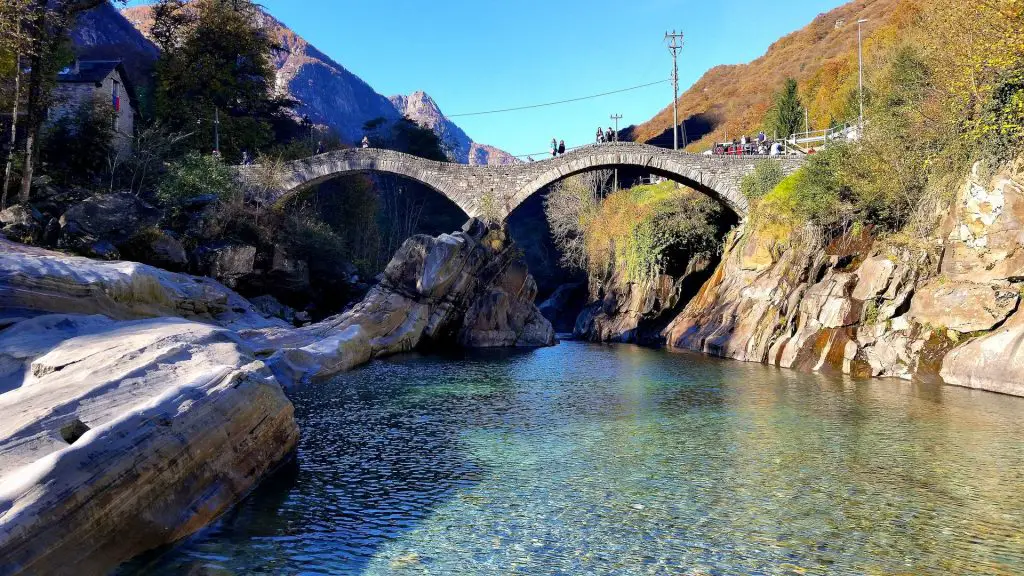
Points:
119	437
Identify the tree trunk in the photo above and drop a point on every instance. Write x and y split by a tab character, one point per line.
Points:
34	118
14	126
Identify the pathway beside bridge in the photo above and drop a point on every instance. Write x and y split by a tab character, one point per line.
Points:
495	191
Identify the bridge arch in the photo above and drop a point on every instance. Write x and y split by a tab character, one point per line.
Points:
693	176
300	175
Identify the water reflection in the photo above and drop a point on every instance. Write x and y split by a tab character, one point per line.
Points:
620	460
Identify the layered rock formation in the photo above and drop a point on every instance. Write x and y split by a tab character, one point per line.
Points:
948	308
466	288
118	437
625	311
134	407
34	281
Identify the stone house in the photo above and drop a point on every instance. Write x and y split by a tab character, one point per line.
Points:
104	80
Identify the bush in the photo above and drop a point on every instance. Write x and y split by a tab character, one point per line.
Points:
651	230
195	176
79	146
765	177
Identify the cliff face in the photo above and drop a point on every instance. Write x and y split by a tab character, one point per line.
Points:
624	311
422	109
866	307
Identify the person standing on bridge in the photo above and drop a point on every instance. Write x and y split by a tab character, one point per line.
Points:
554	147
600	135
561	146
366	142
609	136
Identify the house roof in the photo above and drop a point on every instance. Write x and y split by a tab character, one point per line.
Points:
96	71
91	71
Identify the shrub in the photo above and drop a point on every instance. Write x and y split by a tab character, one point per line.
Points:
646	231
765	177
194	176
79	145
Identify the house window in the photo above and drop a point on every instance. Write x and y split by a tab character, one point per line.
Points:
115	94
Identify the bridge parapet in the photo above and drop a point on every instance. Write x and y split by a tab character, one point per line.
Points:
503	188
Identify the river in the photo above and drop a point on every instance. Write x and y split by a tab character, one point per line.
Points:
593	459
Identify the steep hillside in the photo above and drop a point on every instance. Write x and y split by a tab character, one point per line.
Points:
732	99
332	96
104	34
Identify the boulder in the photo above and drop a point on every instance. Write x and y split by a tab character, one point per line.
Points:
227	263
22	223
289	274
34	281
270	307
112	218
992	362
564	305
126	437
158	248
440	292
962	306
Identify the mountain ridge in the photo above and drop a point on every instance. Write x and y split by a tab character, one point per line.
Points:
731	99
331	95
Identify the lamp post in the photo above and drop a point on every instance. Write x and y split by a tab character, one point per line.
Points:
615	137
860	70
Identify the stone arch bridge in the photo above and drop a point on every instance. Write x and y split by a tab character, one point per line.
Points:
498	190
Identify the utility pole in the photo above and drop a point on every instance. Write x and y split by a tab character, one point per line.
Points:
860	70
675	44
615	138
216	132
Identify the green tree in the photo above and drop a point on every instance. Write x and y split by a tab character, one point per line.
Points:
216	67
44	26
787	112
194	176
77	147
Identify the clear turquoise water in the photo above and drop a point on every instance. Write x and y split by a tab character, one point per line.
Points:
588	459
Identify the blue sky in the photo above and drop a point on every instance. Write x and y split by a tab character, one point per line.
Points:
473	56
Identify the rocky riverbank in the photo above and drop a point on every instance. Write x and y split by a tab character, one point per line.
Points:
137	405
945	307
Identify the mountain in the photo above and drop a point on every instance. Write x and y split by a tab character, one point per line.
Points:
733	99
422	109
103	33
332	96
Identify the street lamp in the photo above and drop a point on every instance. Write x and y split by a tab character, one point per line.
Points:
860	69
615	136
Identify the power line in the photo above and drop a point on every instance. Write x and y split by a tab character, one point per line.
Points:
556	103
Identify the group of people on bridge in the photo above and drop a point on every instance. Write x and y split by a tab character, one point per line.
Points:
745	147
557	147
606	135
